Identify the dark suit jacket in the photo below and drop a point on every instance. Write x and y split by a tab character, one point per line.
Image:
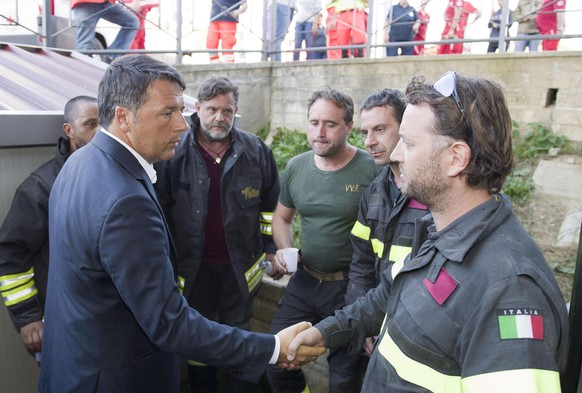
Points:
115	319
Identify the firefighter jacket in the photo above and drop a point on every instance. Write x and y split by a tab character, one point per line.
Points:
24	246
382	234
249	188
476	309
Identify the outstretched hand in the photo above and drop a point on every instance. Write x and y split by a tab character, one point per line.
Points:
295	353
31	335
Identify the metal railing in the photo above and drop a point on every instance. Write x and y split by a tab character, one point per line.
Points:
182	34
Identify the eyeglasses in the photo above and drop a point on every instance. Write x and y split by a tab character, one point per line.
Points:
447	87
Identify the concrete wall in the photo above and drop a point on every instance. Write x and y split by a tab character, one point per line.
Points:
254	82
18	370
277	94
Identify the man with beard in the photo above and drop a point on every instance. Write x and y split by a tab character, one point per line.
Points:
475	307
219	193
324	187
24	246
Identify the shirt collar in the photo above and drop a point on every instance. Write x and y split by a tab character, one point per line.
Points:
148	168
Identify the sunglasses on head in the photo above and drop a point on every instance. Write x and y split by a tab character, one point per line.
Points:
447	87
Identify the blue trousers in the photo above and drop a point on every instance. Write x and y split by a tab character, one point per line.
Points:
283	18
303	34
86	16
406	50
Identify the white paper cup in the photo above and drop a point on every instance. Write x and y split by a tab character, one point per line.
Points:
290	256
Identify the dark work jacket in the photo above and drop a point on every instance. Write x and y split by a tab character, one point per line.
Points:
249	186
24	242
443	315
382	235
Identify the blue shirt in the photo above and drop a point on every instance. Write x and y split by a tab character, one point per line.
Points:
403	18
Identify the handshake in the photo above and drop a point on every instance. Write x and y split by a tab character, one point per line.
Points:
300	344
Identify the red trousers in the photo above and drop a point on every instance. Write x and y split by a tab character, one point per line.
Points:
549	45
351	26
139	40
221	31
445	49
332	36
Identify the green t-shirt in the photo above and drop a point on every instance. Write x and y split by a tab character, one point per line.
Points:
328	205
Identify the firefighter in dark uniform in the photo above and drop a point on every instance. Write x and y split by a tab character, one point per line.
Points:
219	193
475	307
383	231
24	246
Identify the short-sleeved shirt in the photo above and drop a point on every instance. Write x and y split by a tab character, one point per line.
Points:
219	7
349	5
327	202
402	18
547	19
468	9
307	10
450	10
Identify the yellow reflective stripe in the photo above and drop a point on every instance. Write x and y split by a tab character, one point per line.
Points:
195	364
418	373
255	274
398	265
266	218
10	281
378	247
266	229
514	381
360	230
19	294
181	282
398	253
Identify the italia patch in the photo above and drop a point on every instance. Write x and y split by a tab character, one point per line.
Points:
520	323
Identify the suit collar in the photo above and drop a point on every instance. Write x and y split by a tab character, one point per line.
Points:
119	153
126	160
148	168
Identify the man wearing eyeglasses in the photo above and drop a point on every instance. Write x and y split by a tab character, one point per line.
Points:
475	307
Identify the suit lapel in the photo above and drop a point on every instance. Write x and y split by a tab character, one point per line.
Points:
128	162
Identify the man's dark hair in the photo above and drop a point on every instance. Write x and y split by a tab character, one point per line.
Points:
215	86
485	125
388	97
126	82
341	100
72	107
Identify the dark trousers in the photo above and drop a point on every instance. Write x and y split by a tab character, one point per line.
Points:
308	299
216	295
405	50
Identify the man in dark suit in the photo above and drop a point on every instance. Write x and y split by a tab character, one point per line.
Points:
115	319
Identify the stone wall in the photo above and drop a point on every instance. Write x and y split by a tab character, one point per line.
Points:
541	87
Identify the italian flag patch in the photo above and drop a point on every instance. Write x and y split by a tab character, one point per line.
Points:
520	323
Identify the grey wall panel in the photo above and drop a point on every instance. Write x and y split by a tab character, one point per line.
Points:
18	370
